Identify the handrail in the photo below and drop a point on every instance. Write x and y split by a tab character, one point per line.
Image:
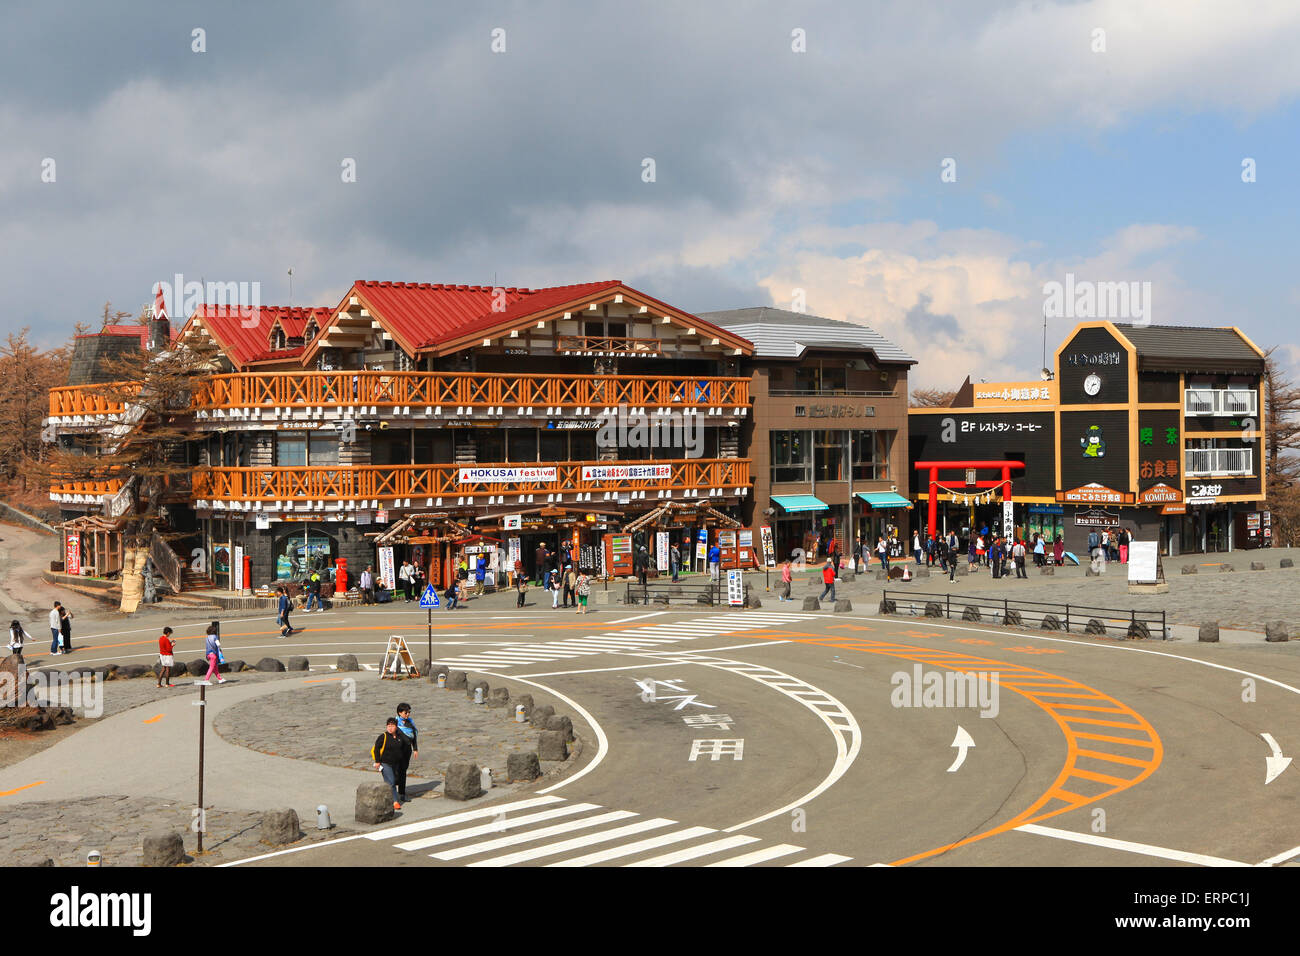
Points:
1120	619
165	561
342	482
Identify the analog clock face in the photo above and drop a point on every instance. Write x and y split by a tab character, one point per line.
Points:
1092	384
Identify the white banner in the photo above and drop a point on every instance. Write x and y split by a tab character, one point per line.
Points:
626	472
504	476
516	551
386	568
661	550
1008	521
735	589
238	569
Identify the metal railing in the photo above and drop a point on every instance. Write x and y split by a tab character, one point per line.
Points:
1220	401
711	594
1070	617
1219	461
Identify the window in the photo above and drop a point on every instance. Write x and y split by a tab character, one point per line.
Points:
309	333
277	338
791	457
303	449
821	378
831	448
866	465
521	444
489	445
553	446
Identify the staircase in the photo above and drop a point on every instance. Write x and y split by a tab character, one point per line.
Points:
192	580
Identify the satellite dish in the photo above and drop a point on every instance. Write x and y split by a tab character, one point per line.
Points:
1046	374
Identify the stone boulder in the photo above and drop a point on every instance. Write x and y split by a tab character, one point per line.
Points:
500	697
526	702
1209	632
374	803
551	745
1226	567
1095	626
888	607
164	849
231	667
347	662
1275	631
1286	563
269	665
280	827
843	605
811	604
847	577
1138	631
1013	618
1257	565
1189	569
538	716
471	688
197	668
132	670
971	613
462	781
299	664
457	680
522	767
561	723
933	609
1050	623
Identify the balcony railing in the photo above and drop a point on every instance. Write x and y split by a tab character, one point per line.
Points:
425	389
387	482
609	345
1220	401
1219	461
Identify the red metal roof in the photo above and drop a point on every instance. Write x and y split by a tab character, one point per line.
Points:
140	331
245	336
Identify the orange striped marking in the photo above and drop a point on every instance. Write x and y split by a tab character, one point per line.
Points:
7	793
154	719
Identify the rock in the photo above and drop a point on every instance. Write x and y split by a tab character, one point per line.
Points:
280	827
538	716
1189	569
1286	563
64	716
299	664
1257	565
500	697
526	702
1226	567
661	599
1095	626
1275	631
348	662
551	745
1012	618
522	767
457	680
130	671
847	577
753	601
231	667
462	782
470	688
1051	623
886	607
1047	569
270	665
933	609
1139	631
1209	632
436	671
704	597
46	862
811	604
374	803
842	606
971	613
563	724
108	673
197	668
164	849
1090	572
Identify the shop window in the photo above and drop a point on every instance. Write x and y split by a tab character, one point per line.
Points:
299	552
791	456
582	446
521	444
865	462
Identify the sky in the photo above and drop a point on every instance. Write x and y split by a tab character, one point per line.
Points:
922	168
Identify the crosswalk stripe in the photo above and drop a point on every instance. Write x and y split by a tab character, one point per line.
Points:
551	849
408	828
487	846
496	826
631	849
692	852
826	859
759	856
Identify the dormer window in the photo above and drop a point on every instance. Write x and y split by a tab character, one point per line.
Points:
278	340
310	332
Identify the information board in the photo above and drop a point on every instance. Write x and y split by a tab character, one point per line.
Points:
735	588
1143	562
769	548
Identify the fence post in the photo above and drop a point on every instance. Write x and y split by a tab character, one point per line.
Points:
1005	607
1067	617
948	610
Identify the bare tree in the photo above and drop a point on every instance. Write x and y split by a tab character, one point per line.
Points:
930	397
26	372
1282	466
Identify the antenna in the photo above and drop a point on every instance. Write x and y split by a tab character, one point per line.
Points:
1044	365
291	291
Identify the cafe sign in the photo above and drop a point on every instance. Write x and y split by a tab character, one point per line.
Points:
1160	494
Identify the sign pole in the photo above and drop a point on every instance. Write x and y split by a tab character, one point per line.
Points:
430	610
203	707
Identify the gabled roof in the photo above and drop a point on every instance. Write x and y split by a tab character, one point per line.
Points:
425	317
779	333
1187	348
138	331
244	337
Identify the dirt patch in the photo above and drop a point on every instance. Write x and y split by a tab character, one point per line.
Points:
18	745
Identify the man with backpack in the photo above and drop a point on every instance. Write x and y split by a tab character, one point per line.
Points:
391	751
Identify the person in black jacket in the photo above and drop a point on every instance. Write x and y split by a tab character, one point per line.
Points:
407	726
391	752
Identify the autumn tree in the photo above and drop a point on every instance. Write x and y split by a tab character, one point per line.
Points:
26	374
1282	466
930	397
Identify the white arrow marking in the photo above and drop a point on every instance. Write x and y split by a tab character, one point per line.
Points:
1276	762
964	742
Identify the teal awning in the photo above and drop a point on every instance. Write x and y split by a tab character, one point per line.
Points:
884	499
801	503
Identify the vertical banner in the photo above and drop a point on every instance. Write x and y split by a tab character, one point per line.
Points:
769	548
1008	520
72	554
239	568
661	551
735	588
386	568
515	552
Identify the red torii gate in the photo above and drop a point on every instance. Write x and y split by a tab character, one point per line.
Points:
934	466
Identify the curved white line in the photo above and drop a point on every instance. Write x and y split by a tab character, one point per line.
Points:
602	742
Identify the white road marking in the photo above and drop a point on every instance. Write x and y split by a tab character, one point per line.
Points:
499	825
631	849
406	829
529	836
639	617
759	856
826	859
1281	857
296	849
693	852
1112	844
551	849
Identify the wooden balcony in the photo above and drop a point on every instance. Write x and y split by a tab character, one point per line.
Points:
605	345
701	477
59	490
390	390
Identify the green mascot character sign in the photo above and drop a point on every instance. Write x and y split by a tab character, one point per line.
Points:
1094	446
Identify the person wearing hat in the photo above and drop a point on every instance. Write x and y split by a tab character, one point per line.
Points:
389	751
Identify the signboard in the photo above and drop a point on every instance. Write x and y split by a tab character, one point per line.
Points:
1008	519
1046	510
661	550
239	568
429	598
381	516
746	538
72	553
504	476
1095	517
621	544
515	551
1159	495
1013	393
1178	509
1094	493
386	568
625	472
1143	562
769	548
512	522
363	517
735	589
261	521
726	539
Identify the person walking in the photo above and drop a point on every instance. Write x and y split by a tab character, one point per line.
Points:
407	728
1124	538
715	561
1058	550
642	570
828	577
521	588
952	557
916	547
212	650
857	555
571	586
313	592
675	560
583	586
833	553
367	585
166	657
65	629
995	559
480	574
518	569
787	575
56	632
1018	556
882	552
557	587
283	613
390	751
406	577
17	638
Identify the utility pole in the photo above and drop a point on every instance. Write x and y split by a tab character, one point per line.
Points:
202	704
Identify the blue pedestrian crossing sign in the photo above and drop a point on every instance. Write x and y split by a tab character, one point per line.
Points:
429	598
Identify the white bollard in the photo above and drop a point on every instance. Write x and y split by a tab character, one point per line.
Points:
478	695
519	714
485	778
93	858
442	680
323	817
